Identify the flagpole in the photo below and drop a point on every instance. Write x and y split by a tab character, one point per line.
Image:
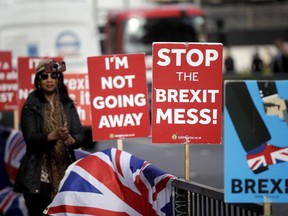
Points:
187	163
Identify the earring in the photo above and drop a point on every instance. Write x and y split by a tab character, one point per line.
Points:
38	86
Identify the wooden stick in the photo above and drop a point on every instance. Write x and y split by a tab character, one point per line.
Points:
267	208
16	120
120	144
187	162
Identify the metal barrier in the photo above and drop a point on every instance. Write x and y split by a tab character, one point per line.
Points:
194	199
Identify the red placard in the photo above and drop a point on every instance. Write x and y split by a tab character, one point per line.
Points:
187	93
8	83
118	91
78	88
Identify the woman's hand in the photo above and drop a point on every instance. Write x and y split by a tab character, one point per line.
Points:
59	134
69	141
63	133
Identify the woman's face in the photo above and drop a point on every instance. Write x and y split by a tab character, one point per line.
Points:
48	82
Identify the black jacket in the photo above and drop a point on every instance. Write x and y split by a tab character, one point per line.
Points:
32	126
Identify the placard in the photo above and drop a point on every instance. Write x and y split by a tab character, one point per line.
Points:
187	93
78	89
118	91
8	83
255	141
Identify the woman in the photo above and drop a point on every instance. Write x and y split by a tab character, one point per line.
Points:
52	129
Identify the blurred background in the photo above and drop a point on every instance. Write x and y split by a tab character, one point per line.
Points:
247	28
252	31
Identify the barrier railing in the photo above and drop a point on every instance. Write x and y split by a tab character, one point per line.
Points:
194	199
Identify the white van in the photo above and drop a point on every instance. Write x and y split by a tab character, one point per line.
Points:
50	28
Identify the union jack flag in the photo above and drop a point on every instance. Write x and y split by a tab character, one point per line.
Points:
15	149
265	155
113	183
12	203
12	150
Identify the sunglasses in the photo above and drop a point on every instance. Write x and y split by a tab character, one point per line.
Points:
44	76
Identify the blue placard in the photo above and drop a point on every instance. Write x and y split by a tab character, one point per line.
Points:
255	141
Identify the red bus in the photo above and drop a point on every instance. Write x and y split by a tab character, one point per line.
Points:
134	30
